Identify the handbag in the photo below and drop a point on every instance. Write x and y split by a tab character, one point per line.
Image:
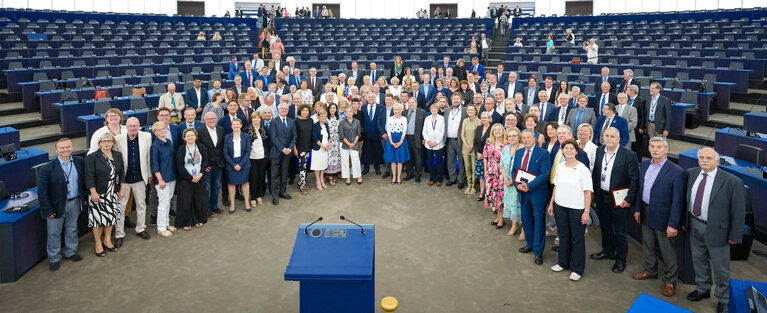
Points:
100	93
138	91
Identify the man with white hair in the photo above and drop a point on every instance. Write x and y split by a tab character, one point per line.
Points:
628	80
592	51
172	101
630	114
559	114
575	92
512	86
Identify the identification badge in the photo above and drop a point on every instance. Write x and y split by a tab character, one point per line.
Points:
604	177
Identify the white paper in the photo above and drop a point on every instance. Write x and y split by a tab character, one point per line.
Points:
523	174
620	195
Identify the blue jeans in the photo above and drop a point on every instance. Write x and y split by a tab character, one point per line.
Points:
212	186
435	161
68	222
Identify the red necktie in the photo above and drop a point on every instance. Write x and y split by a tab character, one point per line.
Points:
626	88
250	81
526	159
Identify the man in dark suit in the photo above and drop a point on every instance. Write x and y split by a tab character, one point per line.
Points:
547	110
503	77
454	117
717	211
615	168
174	132
315	84
373	123
212	137
639	104
628	80
190	120
660	209
374	73
657	113
605	78
196	97
234	68
414	134
561	110
531	92
445	64
61	193
357	73
282	136
551	90
610	119
238	12
604	97
245	109
426	94
248	75
534	160
266	78
512	86
239	88
233	111
296	78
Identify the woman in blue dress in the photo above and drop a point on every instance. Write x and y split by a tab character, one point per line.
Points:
237	156
511	205
396	150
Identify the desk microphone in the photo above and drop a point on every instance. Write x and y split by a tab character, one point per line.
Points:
310	224
715	128
358	225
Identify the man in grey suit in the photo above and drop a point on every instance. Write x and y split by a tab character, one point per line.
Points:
357	73
582	114
630	114
415	118
453	123
716	214
531	91
658	113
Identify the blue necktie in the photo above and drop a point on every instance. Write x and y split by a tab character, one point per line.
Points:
370	112
631	101
285	122
604	98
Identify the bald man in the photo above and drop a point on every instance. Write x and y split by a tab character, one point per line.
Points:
174	102
134	145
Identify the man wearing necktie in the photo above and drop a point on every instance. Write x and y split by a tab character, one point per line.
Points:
282	138
475	66
546	109
190	120
172	101
658	113
639	104
628	80
604	78
610	119
534	160
716	210
605	97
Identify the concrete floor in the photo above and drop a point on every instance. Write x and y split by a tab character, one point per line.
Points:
436	252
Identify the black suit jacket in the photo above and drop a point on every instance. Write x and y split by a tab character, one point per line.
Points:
281	137
97	171
621	86
190	98
215	152
420	116
181	158
639	104
52	186
612	98
318	87
625	173
598	85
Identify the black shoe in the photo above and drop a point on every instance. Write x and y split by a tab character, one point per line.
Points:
128	223
378	172
276	201
417	180
153	219
599	256
118	242
225	201
365	171
721	307
217	210
525	249
387	174
54	266
461	185
538	259
112	249
172	213
697	295
75	258
408	177
449	183
144	235
555	248
286	196
499	226
619	267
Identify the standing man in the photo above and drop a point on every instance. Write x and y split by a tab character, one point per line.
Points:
592	51
605	96
610	119
414	136
60	191
134	145
196	97
172	101
248	75
658	113
212	137
453	125
717	211
531	92
660	209
234	68
190	120
628	80
616	171
628	112
476	67
639	104
282	136
373	123
533	193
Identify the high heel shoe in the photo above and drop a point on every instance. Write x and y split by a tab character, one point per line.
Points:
481	198
101	254
493	223
499	226
112	249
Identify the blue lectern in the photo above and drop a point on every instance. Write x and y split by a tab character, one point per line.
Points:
335	264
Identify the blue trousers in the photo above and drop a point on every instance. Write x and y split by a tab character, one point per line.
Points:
533	222
435	162
212	186
68	222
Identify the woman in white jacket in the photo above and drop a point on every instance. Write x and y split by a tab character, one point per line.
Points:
433	141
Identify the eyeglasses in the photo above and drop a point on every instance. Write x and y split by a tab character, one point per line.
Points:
106	141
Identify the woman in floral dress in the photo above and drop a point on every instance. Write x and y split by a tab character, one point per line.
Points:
493	178
511	206
334	152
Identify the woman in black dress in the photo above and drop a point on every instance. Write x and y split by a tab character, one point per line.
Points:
303	146
105	179
259	158
191	161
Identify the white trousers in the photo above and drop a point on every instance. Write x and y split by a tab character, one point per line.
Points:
163	205
355	163
139	199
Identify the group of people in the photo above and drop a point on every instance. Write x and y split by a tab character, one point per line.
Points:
541	166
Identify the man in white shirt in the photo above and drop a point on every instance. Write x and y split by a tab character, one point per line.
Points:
485	44
257	63
605	97
216	88
548	86
453	144
492	83
592	51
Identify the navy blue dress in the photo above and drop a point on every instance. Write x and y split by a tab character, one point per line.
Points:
396	128
237	177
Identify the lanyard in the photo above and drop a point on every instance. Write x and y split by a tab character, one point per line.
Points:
66	175
434	124
606	160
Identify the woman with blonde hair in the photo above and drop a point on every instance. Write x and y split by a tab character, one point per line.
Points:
264	42
397	69
112	125
163	156
511	204
216	36
201	36
105	179
493	180
585	135
468	130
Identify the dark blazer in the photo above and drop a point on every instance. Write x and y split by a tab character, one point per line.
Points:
246	113
460	72
612	98
621	85
360	74
391	73
539	164
618	122
190	98
726	207
181	155
461	115
226	123
640	104
419	116
52	186
503	78
294	81
281	137
480	139
518	87
378	73
377	126
598	84
97	171
244	150
318	87
625	172
526	94
479	67
667	207
555	113
582	156
548	114
244	76
552	94
268	79
426	95
182	125
317	134
175	134
662	113
215	152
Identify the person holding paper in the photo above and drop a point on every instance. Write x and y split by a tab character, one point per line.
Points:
661	212
616	180
532	168
570	204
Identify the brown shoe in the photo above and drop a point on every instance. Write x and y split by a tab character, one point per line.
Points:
643	276
431	183
438	184
668	290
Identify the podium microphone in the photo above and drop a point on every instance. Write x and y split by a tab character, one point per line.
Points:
358	225
310	224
